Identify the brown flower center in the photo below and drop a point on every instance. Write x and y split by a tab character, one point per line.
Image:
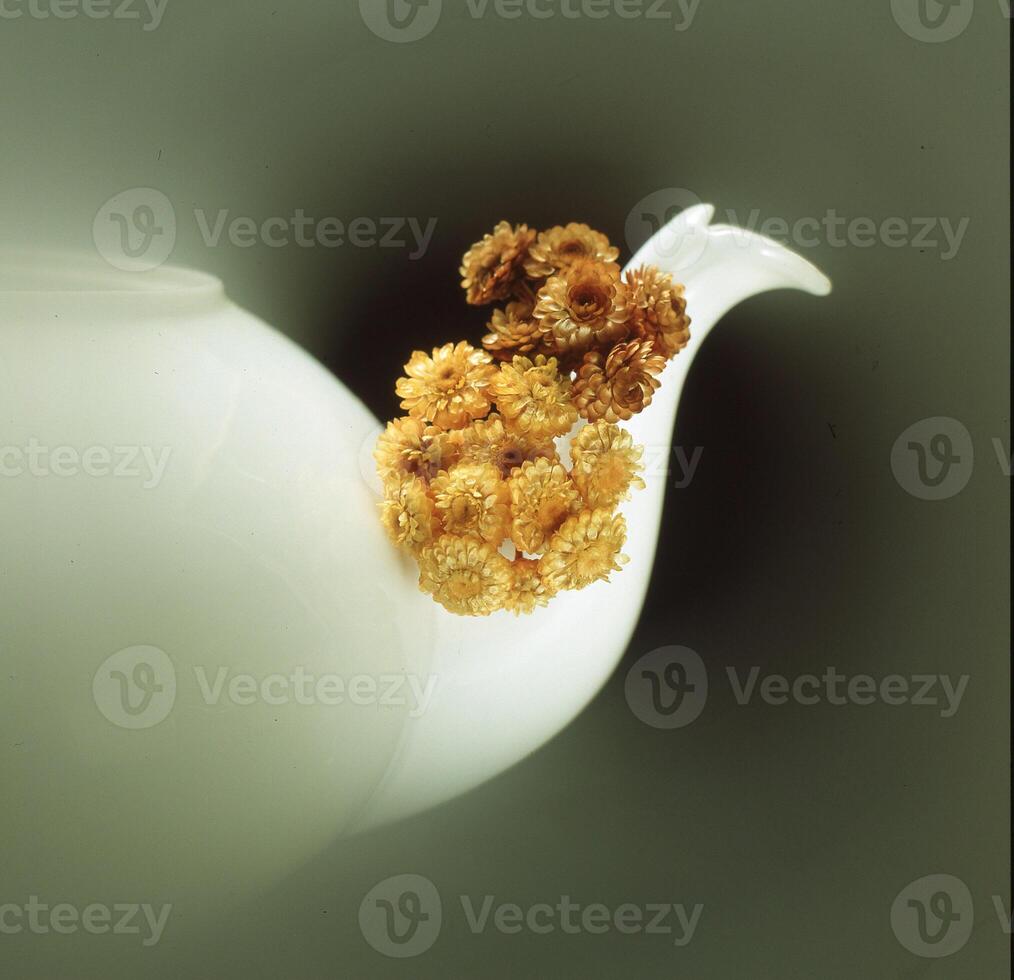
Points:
552	513
588	300
573	248
463	585
463	510
509	458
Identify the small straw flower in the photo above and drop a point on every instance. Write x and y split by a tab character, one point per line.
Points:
562	246
619	386
492	267
513	331
587	306
584	550
528	589
660	311
410	447
466	575
490	441
606	464
542	496
471	498
451	388
533	397
407	513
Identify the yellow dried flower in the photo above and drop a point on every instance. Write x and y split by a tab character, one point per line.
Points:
533	398
492	267
528	589
513	330
407	513
451	388
564	245
619	386
490	441
471	498
606	464
466	575
586	306
410	447
660	311
584	550
542	497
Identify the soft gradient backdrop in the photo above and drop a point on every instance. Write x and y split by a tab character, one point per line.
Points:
793	548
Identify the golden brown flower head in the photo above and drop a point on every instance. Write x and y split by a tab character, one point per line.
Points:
490	441
586	306
407	513
410	447
513	331
533	397
660	311
562	246
620	385
471	498
584	550
465	575
606	464
450	388
542	496
492	267
528	589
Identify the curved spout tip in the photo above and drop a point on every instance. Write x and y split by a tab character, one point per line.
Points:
793	270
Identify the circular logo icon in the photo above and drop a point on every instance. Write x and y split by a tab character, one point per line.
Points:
668	687
400	21
135	688
932	916
932	459
401	916
368	465
136	230
932	21
676	245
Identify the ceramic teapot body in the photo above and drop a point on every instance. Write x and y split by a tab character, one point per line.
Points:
203	627
214	662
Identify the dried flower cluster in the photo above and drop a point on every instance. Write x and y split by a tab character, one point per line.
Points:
474	486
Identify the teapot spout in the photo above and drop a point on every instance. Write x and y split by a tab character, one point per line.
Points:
719	266
505	686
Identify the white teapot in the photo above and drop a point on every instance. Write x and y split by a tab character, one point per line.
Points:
213	661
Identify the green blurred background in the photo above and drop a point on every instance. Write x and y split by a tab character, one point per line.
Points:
794	548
